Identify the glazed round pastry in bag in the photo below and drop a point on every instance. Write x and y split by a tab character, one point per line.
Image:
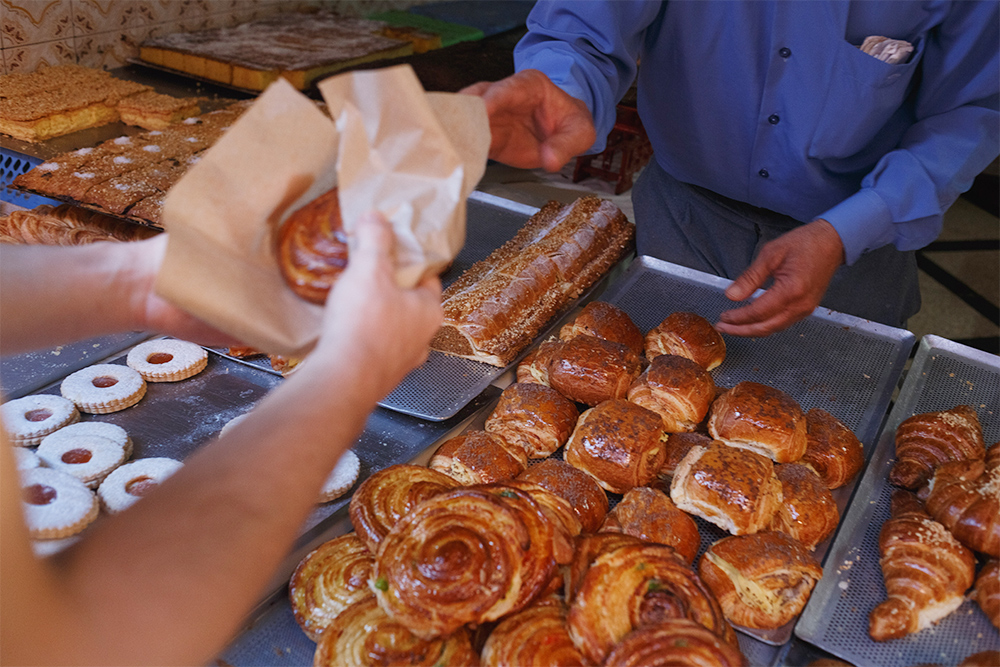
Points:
312	248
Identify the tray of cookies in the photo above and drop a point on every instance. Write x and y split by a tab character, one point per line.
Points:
917	543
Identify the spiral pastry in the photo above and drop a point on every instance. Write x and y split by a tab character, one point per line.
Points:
331	578
565	522
588	548
312	248
536	636
388	495
677	641
634	586
470	555
364	635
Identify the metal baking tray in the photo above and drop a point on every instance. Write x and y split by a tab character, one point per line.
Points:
943	374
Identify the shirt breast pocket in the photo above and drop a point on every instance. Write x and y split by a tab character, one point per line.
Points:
862	96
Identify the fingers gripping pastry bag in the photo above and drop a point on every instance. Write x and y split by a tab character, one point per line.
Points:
387	146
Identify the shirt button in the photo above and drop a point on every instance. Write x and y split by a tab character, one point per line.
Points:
774	119
784	52
763	173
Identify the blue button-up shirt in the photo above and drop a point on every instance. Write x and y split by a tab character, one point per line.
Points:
773	104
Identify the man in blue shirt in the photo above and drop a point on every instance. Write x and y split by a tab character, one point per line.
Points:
782	151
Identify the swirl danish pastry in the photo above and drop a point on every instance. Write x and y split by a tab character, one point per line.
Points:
677	641
534	636
327	581
312	248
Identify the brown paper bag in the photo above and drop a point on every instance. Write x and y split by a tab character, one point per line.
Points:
412	155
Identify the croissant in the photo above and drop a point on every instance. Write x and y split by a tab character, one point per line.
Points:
677	389
635	586
988	591
592	370
327	581
534	636
925	441
687	335
582	491
762	419
604	320
470	555
677	641
808	511
832	449
926	571
478	457
365	636
533	417
650	515
388	495
968	506
312	248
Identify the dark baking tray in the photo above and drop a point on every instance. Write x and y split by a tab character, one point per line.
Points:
943	374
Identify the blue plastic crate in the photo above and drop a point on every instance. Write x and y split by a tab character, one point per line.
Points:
12	165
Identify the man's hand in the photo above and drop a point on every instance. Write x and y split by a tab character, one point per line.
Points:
533	122
802	263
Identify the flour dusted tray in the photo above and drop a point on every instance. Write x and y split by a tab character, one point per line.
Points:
944	374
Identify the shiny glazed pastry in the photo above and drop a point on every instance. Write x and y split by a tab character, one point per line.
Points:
364	636
470	555
807	511
832	449
677	389
678	445
478	457
591	370
987	591
634	586
687	335
565	522
388	495
534	636
969	508
329	580
584	494
619	443
762	419
735	489
926	571
604	320
925	441
312	248
762	580
533	417
588	548
534	368
651	516
677	641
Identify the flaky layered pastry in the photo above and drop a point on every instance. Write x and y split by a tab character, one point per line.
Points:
651	516
761	419
580	490
832	449
500	304
687	335
969	508
677	389
565	522
677	446
534	636
601	319
587	549
807	511
677	641
478	457
66	225
591	370
925	441
987	592
534	368
534	418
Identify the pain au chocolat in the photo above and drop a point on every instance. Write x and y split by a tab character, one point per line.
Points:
832	450
604	320
651	516
534	418
762	419
581	490
687	335
677	389
500	304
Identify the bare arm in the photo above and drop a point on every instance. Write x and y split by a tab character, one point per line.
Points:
169	580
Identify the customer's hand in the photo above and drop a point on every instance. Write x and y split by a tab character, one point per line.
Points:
533	122
802	262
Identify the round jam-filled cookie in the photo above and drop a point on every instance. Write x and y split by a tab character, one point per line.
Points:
104	388
126	484
89	458
55	504
112	432
46	548
167	360
31	418
341	478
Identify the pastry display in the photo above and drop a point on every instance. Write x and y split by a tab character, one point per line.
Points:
926	571
89	458
651	516
30	418
807	511
341	478
675	641
925	441
327	581
312	248
584	494
677	389
66	225
987	591
131	481
832	449
762	580
601	319
55	504
104	388
687	335
619	443
500	304
761	419
591	370
478	457
535	636
167	360
969	508
735	489
533	417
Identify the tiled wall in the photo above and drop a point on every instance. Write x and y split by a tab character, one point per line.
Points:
106	33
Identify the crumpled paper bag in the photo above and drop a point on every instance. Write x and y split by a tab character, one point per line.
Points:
391	146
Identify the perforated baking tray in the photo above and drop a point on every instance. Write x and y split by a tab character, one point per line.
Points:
943	374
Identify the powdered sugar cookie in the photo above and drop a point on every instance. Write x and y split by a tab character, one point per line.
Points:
341	478
46	548
167	359
89	458
104	388
31	418
55	504
26	459
125	485
112	432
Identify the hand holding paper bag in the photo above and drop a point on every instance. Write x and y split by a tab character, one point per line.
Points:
413	156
